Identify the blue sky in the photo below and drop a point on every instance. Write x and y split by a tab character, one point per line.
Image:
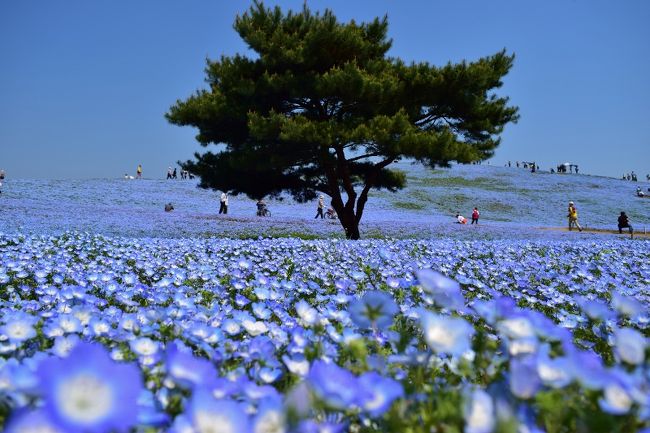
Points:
84	84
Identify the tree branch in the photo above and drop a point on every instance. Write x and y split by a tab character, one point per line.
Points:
367	155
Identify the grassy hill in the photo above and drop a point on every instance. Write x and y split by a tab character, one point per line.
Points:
512	201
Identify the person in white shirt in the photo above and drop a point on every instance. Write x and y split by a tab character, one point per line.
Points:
321	206
223	208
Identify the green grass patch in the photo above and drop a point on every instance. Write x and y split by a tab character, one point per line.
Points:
485	183
408	205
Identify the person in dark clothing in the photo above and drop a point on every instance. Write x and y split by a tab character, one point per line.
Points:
624	223
174	174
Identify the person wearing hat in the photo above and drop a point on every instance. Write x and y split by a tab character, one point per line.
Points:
573	216
321	206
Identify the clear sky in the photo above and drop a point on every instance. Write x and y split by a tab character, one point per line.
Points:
84	84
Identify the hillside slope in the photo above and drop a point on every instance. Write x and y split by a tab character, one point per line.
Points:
511	201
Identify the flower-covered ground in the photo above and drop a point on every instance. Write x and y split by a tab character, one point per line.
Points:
512	201
103	334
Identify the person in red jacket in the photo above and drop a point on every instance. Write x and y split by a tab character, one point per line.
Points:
475	215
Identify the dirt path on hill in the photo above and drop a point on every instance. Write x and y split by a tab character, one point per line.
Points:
600	232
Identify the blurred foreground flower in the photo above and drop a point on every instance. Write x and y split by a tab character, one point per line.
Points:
450	335
89	392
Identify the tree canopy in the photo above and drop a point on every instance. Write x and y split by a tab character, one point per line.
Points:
322	108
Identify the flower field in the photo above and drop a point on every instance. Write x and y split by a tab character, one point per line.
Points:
511	201
108	334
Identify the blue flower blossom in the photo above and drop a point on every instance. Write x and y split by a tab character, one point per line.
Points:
88	392
209	415
445	291
375	309
630	345
479	412
523	378
450	335
380	392
335	386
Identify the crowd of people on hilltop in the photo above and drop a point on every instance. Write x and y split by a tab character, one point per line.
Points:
532	166
173	174
632	177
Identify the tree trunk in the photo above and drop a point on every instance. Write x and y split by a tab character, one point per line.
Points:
348	219
351	226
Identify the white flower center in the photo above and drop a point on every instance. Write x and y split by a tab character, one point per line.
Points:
378	399
618	398
440	336
146	347
271	422
85	398
17	330
208	422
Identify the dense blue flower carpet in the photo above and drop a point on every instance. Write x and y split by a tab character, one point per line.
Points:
107	334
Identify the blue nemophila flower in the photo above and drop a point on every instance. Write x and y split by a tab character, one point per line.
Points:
308	315
89	392
32	422
617	393
630	345
380	392
18	327
554	372
270	417
450	335
336	386
626	305
523	378
311	426
231	327
587	367
479	412
186	369
209	415
375	309
445	291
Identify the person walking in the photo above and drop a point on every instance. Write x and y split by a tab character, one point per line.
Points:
169	172
573	216
139	171
223	207
475	215
321	206
624	223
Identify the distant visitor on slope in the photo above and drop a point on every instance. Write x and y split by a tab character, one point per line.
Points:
573	216
262	210
223	207
475	215
139	171
169	207
639	192
321	206
174	174
2	177
461	219
169	172
624	223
